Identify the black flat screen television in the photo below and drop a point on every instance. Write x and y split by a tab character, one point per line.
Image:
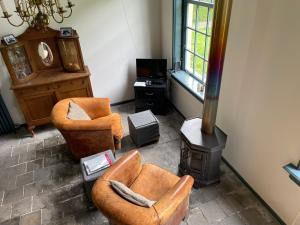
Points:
151	68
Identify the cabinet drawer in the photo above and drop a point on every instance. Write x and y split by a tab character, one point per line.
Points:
35	89
150	93
72	84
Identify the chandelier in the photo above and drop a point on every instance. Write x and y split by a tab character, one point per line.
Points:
37	13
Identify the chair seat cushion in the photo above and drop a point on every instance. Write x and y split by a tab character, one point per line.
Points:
153	182
130	195
75	112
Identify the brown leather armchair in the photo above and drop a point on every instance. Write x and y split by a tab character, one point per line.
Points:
87	137
170	192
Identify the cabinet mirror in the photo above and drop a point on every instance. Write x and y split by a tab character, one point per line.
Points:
45	54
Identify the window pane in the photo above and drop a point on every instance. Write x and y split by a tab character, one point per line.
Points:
189	62
208	40
191	15
200	44
202	18
210	21
199	67
190	40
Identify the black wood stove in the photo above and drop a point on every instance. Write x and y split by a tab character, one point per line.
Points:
202	141
201	153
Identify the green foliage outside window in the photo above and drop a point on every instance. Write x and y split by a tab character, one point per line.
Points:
198	32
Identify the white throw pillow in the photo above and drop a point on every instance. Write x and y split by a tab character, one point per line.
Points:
76	112
130	195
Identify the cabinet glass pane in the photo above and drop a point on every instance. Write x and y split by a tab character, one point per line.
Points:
69	55
19	61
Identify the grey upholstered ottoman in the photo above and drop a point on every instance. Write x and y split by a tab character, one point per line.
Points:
89	180
143	128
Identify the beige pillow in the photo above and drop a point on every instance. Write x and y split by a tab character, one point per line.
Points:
76	112
130	195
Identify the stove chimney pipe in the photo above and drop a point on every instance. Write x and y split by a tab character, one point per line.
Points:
222	11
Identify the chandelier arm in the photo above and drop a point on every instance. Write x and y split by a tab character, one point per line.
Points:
70	13
20	14
54	9
57	21
24	18
15	25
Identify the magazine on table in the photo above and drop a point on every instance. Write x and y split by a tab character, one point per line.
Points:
97	164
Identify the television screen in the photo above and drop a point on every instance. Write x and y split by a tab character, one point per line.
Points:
151	68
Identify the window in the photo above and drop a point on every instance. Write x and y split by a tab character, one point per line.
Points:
197	37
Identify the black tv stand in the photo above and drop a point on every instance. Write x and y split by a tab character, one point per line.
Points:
152	96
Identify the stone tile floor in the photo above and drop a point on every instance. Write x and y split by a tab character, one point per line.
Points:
41	184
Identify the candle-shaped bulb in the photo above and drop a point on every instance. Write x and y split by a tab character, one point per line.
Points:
23	5
17	3
58	4
3	6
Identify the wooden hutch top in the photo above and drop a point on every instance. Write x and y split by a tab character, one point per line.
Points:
34	71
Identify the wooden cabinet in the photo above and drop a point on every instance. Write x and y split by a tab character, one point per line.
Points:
45	68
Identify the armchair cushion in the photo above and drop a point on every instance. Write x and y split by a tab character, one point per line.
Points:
130	195
94	107
153	182
76	112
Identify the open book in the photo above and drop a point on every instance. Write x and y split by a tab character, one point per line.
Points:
97	164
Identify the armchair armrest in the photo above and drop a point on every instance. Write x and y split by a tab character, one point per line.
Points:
126	169
176	199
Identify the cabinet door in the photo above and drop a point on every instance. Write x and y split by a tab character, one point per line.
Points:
37	108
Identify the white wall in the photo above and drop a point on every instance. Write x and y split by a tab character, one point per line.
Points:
166	30
113	34
259	104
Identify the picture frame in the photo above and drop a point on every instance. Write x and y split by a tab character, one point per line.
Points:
66	32
9	39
